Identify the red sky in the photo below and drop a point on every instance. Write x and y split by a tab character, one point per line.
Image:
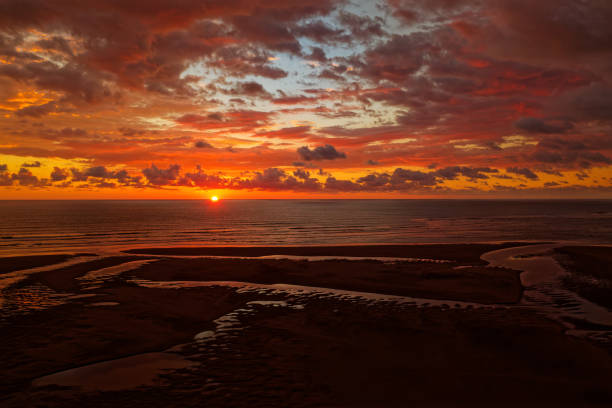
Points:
305	98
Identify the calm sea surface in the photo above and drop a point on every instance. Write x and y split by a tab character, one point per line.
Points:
52	226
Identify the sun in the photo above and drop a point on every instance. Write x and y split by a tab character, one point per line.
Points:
214	198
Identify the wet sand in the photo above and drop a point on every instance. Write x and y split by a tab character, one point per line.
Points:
417	279
591	272
456	252
16	263
236	345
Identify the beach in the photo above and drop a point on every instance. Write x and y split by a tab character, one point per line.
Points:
368	325
305	203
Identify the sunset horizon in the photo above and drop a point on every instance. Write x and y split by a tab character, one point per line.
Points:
305	203
317	99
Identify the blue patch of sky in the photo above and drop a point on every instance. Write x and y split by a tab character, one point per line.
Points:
303	75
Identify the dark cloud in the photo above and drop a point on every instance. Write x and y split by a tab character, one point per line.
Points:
451	173
596	157
273	179
295	100
552	172
317	54
161	177
129	132
582	176
200	179
59	174
73	132
557	143
301	174
37	111
400	180
5	180
99	172
238	119
250	89
76	84
304	164
242	60
396	59
525	172
535	125
362	27
569	152
329	74
406	179
201	144
25	178
5	177
32	164
588	103
320	32
273	33
326	152
546	156
332	184
374	181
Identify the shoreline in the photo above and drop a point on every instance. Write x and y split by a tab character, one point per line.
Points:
123	248
410	250
21	262
431	251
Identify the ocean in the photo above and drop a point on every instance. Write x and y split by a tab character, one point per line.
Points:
78	226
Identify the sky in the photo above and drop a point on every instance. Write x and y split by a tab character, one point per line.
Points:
305	99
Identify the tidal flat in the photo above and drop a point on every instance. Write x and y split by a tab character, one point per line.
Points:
378	325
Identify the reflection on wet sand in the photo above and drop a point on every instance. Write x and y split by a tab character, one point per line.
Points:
304	293
127	372
542	279
99	276
260	339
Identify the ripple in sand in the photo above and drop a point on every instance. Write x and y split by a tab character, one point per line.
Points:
542	278
99	276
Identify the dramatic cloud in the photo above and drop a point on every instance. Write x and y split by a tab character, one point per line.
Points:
25	178
160	177
99	172
535	125
5	177
326	152
504	95
522	172
59	174
451	173
200	144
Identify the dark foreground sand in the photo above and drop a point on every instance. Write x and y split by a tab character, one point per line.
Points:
314	350
17	263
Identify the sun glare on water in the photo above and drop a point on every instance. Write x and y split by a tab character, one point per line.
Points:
214	198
